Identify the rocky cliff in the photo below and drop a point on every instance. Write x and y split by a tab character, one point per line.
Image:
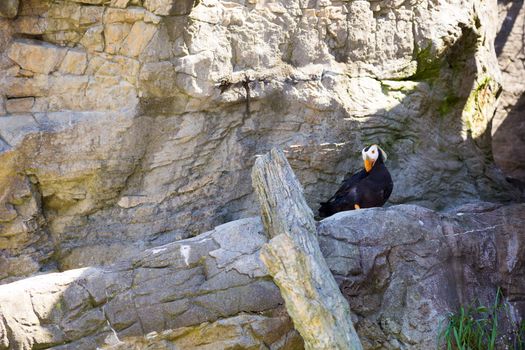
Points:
129	124
403	269
508	129
128	127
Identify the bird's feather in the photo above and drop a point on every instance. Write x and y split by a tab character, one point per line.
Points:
365	189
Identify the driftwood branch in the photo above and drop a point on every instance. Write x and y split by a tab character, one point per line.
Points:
293	258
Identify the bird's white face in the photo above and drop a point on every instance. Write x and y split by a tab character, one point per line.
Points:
370	155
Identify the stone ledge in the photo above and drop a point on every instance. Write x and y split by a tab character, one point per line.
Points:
402	268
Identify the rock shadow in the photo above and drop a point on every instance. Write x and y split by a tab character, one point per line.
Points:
509	144
437	136
508	23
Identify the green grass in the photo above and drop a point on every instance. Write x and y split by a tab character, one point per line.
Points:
478	328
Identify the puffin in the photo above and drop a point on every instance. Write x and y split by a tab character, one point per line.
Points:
370	187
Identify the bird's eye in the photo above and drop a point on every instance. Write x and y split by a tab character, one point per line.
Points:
374	152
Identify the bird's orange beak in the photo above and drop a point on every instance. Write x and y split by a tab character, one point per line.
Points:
368	164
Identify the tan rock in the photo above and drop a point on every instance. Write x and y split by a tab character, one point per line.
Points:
36	56
90	2
129	68
160	7
25	73
64	38
9	8
152	18
114	34
177	286
159	48
195	65
91	15
20	105
41	105
239	332
131	201
13	129
32	25
22	87
129	15
212	15
93	39
63	84
75	62
13	71
109	93
2	105
119	66
119	3
169	7
276	7
158	79
68	10
193	74
95	62
139	36
25	264
194	87
33	7
7	213
54	25
67	92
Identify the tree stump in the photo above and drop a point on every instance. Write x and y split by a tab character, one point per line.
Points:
313	300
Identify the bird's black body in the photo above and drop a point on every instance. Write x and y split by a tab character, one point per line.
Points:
366	189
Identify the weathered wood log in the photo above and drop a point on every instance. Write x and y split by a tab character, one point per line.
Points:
318	309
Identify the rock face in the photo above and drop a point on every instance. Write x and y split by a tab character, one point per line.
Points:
130	124
402	269
127	126
508	128
9	8
212	276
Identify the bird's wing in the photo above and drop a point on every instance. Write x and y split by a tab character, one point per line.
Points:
385	182
388	191
347	185
379	185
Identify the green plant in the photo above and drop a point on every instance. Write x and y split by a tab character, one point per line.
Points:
477	328
517	337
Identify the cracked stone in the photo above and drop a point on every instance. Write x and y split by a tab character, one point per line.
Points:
36	56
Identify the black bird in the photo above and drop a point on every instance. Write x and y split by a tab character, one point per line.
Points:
367	188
